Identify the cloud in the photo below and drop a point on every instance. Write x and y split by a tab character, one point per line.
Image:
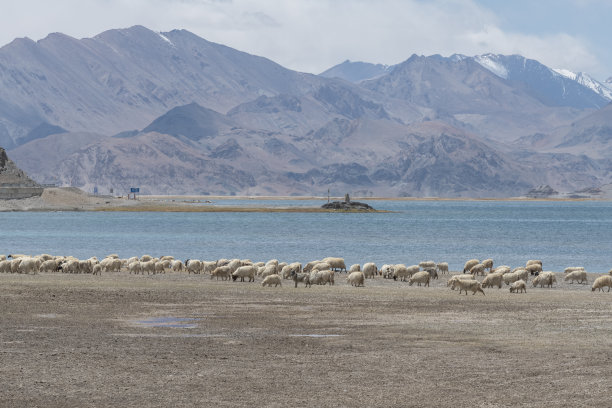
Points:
308	35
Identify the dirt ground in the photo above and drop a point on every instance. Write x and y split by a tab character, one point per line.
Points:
180	341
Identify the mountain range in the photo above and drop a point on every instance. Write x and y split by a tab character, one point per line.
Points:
172	113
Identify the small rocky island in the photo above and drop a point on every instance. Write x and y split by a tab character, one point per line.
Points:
347	205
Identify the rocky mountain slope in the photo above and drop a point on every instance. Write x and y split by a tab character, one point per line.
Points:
174	113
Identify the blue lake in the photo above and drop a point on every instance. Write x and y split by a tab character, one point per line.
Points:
560	233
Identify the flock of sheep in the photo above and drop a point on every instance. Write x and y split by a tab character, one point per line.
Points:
319	272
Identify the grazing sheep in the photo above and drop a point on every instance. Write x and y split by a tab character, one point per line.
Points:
134	267
272	280
2	257
270	269
501	269
465	284
337	264
387	271
522	274
244	272
493	279
145	258
454	278
533	261
234	264
518	287
605	280
427	264
288	269
370	270
420	277
309	265
402	272
193	266
478	269
29	265
321	277
71	266
534	268
148	267
48	266
355	268
5	266
511	277
300	277
321	266
545	278
97	269
488	264
209	266
573	268
442	267
356	278
177	266
222	272
579	275
433	273
470	264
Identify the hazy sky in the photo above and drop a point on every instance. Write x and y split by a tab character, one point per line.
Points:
313	35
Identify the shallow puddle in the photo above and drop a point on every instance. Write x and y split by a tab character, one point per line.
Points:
169	321
315	335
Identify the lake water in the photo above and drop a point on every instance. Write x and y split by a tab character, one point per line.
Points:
560	233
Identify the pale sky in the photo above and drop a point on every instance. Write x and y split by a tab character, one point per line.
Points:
313	35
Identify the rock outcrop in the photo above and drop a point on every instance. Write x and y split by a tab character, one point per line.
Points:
14	183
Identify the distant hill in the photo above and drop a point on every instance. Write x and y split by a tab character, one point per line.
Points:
174	113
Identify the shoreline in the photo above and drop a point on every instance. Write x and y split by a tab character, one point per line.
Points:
72	199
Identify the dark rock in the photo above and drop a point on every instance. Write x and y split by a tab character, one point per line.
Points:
347	206
542	192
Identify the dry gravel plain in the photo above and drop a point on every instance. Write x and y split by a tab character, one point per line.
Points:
179	341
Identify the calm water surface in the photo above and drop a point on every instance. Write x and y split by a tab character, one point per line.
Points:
560	233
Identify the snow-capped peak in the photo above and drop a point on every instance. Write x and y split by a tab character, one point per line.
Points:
566	73
490	62
587	81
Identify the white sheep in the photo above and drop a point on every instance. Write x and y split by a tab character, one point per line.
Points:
133	267
355	268
370	270
427	264
387	271
144	258
573	268
533	261
522	274
244	272
2	257
488	264
335	263
97	269
148	267
545	278
470	264
442	267
222	272
454	278
287	270
605	280
401	272
579	275
465	284
478	269
29	265
534	268
272	280
518	286
193	266
493	279
501	269
50	265
309	265
420	278
511	277
321	277
270	269
209	266
5	266
177	265
356	278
